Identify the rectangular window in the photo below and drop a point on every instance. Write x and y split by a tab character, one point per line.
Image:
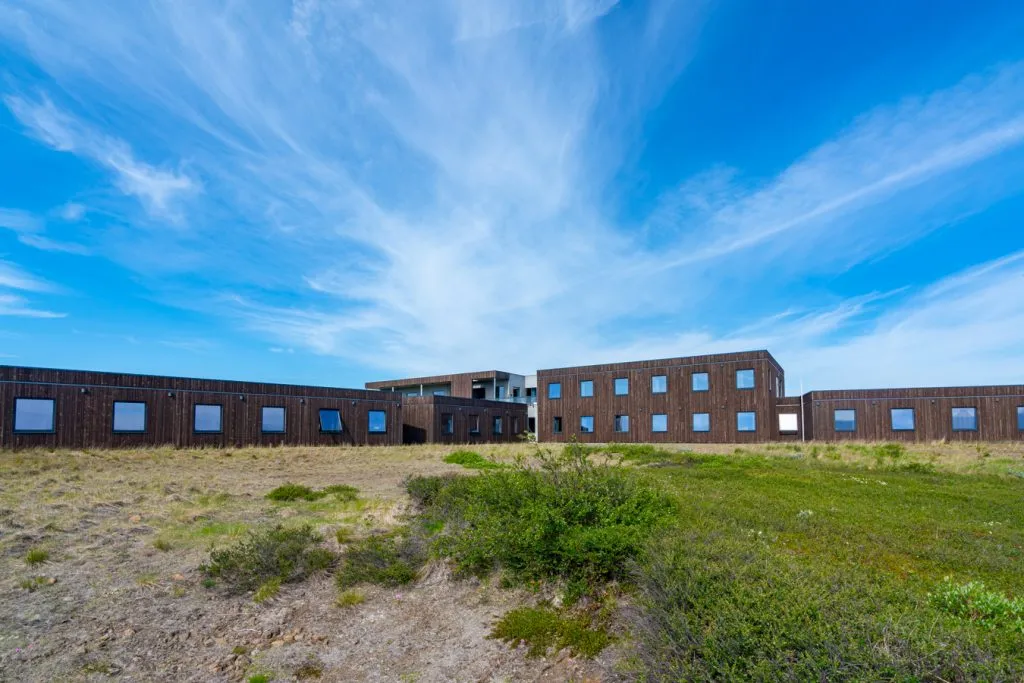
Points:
496	426
965	419
844	420
902	419
556	425
330	421
378	421
702	422
586	388
129	417
587	424
1020	418
789	422
272	420
474	425
744	379
515	424
531	392
555	390
699	381
746	422
659	384
621	386
34	414
440	392
207	418
659	422
622	423
447	423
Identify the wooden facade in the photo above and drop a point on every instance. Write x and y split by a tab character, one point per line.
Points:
721	402
84	406
995	413
461	384
427	418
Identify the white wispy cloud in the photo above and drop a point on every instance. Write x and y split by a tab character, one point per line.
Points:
428	187
14	305
30	228
13	277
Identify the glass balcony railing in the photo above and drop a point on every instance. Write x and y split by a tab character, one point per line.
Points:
525	400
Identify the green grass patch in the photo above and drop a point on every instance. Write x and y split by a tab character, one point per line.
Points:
350	598
392	559
471	460
806	569
542	628
281	554
289	492
36	556
267	590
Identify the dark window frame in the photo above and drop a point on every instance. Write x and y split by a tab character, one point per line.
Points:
952	418
616	423
707	382
663	391
835	422
693	423
593	425
53	416
447	424
913	420
746	412
615	386
284	423
341	423
113	418
1020	418
220	419
556	421
555	384
470	422
753	378
497	426
369	424
659	431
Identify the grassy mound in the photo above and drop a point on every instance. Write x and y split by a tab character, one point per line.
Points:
471	460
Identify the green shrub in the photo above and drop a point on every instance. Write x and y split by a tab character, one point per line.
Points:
261	678
36	556
566	518
162	544
277	553
974	602
424	490
543	627
891	452
471	460
290	492
392	559
267	590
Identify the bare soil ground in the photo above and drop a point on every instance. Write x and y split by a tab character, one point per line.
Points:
121	595
108	603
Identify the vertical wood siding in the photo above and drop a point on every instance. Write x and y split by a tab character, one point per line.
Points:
85	406
423	418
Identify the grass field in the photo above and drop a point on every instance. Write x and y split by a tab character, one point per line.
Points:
777	562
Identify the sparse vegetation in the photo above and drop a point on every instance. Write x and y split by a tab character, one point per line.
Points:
289	492
162	544
277	553
391	559
350	598
472	460
267	590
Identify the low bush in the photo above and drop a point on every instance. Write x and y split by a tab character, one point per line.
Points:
471	460
286	555
566	518
392	559
350	598
267	590
974	602
342	491
541	628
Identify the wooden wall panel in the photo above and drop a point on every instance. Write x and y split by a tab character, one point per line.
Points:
996	413
722	401
461	383
424	415
84	410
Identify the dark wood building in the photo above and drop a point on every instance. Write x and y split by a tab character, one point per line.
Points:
721	398
457	420
984	413
75	409
487	384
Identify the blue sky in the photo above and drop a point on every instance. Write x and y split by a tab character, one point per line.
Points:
331	191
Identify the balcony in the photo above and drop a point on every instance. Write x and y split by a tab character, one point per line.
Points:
525	400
